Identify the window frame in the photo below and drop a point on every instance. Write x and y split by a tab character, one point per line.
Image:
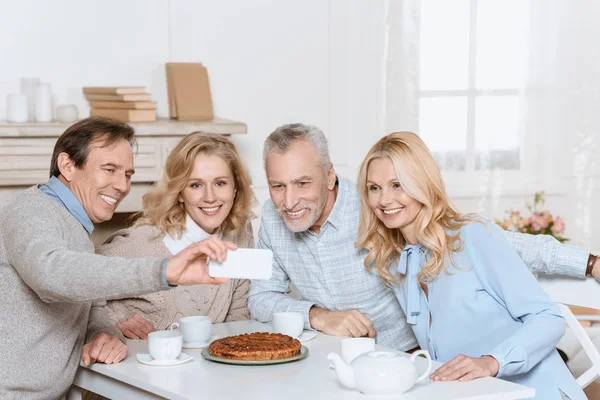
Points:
472	182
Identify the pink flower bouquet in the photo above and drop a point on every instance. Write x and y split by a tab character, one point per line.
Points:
540	221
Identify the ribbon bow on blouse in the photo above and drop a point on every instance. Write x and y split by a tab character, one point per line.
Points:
410	266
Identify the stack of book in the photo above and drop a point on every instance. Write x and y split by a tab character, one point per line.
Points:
125	103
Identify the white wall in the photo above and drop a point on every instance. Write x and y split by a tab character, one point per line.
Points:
70	44
270	62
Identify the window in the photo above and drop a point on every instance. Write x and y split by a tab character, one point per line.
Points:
471	70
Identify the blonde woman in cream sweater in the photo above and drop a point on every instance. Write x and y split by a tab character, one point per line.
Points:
205	191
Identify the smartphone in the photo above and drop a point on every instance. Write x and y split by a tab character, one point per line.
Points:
243	264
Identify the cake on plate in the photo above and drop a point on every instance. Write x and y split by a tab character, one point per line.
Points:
255	346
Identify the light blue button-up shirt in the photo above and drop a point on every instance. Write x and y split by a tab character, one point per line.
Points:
329	271
63	195
490	305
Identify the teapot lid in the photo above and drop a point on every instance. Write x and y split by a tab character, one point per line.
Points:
384	355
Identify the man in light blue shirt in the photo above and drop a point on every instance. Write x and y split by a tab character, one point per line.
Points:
311	225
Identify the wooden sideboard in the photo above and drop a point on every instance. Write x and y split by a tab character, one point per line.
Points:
26	149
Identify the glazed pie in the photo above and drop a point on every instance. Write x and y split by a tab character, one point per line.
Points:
255	346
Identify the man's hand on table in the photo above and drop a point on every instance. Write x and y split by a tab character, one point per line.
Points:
466	368
136	327
104	348
189	266
341	323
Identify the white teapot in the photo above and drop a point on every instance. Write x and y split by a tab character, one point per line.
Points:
380	372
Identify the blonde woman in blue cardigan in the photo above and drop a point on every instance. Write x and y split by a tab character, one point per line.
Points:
468	297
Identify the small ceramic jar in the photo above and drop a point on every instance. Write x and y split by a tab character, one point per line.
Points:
67	113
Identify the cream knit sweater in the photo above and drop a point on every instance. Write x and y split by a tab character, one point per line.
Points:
222	303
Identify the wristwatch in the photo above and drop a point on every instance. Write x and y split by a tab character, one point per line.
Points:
593	258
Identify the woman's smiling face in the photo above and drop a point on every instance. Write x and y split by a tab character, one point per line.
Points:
209	193
390	203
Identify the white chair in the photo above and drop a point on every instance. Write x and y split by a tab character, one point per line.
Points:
578	292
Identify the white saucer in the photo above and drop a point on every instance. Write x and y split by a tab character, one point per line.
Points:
200	345
147	359
306	335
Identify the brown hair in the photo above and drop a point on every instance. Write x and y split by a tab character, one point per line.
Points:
161	207
77	139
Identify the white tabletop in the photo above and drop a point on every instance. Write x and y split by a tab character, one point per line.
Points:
308	378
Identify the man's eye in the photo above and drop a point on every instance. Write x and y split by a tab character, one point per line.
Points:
276	187
303	183
111	170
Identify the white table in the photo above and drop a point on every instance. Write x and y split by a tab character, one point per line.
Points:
304	379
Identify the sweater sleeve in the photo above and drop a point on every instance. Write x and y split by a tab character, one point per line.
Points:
131	243
238	310
45	261
506	278
100	322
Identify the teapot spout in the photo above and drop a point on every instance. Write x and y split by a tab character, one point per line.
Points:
344	372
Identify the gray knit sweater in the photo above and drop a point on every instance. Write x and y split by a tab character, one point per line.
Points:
49	277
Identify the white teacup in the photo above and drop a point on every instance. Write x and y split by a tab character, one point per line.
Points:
194	329
288	323
354	347
165	345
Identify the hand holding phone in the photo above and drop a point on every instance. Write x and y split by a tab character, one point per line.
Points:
243	264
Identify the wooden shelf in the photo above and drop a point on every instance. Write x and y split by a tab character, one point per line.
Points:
162	127
26	150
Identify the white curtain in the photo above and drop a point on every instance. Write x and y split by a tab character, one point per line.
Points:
400	74
559	108
563	107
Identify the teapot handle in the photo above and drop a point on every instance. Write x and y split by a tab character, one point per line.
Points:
413	357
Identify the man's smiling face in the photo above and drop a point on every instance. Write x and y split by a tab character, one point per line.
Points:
104	180
298	185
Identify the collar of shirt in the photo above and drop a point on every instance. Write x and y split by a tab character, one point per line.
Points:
336	217
192	234
63	195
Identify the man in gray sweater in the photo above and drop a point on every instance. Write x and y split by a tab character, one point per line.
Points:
50	276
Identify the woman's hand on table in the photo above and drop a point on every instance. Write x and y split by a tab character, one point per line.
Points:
104	348
464	368
136	327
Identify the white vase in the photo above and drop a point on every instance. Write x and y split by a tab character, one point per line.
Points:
66	113
43	103
16	108
28	88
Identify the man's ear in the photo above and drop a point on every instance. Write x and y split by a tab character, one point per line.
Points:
66	166
331	178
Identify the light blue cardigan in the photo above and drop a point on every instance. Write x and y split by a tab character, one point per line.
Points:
491	305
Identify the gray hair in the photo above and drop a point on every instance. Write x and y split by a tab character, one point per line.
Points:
282	138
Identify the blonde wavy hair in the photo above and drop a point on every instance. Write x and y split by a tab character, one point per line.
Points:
161	207
437	223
